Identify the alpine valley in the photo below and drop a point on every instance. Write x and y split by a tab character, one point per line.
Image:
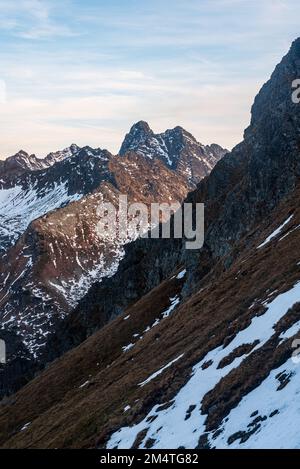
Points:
146	344
50	251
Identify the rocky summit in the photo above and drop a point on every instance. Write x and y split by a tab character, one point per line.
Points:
50	252
164	347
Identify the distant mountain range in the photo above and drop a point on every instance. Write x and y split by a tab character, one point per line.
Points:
176	148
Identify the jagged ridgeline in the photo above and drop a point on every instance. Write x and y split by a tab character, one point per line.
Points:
50	251
190	349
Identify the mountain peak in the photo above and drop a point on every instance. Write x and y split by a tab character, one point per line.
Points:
21	153
180	132
74	148
176	148
295	47
23	162
138	134
17	164
60	155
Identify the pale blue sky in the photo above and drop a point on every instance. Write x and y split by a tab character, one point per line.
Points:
84	71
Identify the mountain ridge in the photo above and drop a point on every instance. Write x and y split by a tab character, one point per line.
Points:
198	350
49	250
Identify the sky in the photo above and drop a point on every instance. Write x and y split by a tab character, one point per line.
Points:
83	72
